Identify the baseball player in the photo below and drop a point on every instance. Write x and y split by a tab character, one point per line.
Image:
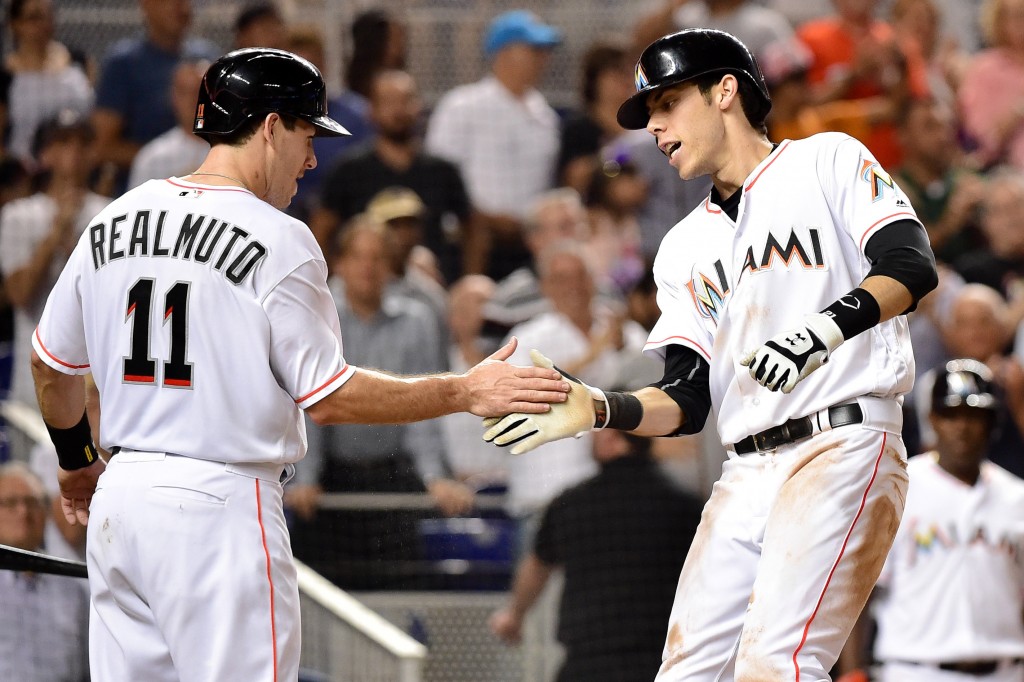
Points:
951	595
202	311
805	252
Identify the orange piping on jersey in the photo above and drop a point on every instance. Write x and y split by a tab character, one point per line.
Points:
778	153
322	386
707	206
821	597
868	231
54	357
697	346
212	188
270	578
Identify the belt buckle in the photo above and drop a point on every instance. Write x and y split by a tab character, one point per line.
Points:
770	440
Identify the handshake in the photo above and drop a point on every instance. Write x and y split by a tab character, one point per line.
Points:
574	417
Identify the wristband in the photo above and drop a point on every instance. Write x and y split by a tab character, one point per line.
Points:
622	411
854	313
75	449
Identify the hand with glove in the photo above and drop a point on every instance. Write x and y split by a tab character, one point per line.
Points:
524	432
786	359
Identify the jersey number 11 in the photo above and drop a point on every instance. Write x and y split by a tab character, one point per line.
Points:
140	367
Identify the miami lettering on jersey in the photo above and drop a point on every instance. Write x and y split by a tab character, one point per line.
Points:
934	537
872	173
807	251
227	246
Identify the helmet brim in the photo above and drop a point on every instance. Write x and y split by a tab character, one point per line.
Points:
633	114
328	127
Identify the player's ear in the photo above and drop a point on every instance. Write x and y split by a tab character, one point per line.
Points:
727	89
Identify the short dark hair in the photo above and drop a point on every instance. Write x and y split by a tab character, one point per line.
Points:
67	124
601	56
249	128
750	98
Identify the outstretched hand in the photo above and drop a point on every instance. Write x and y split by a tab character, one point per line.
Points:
524	432
76	491
497	388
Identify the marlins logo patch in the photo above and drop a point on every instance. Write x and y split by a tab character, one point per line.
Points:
640	77
872	173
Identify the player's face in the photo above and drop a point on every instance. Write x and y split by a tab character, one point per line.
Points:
687	129
962	434
292	157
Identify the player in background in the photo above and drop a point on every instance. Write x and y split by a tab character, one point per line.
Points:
203	313
950	601
805	251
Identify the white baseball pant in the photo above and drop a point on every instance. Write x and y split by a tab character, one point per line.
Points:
191	572
789	547
908	672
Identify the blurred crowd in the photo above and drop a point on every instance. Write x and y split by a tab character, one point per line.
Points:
449	225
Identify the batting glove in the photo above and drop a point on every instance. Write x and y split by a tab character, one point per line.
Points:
786	359
524	432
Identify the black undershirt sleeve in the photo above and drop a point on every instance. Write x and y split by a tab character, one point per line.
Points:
686	381
900	250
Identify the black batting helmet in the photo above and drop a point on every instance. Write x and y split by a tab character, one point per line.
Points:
964	383
683	56
258	81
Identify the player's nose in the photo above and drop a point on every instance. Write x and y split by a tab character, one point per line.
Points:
655	125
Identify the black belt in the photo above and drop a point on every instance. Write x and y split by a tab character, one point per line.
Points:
797	429
977	668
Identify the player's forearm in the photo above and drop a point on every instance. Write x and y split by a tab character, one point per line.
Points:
893	298
372	397
662	415
61	396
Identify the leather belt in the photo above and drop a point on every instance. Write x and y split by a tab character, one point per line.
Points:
798	429
975	668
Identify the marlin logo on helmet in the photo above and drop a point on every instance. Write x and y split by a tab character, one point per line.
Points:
640	77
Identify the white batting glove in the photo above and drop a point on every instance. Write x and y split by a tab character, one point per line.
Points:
524	432
786	359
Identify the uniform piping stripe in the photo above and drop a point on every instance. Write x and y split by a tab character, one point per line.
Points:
707	206
696	345
868	232
778	153
270	578
211	188
842	551
54	357
322	386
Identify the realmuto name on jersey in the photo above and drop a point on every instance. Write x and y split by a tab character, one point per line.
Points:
197	238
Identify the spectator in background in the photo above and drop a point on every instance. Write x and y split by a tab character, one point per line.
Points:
757	26
38	233
14	184
999	263
614	196
590	340
176	152
393	334
979	327
620	538
856	56
43	618
346	109
396	158
607	83
133	103
502	133
946	195
477	463
260	25
45	79
378	44
991	95
918	26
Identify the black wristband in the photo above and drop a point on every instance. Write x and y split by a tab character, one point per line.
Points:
625	411
75	449
854	313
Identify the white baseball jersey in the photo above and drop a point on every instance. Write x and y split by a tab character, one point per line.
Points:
954	579
787	254
169	300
